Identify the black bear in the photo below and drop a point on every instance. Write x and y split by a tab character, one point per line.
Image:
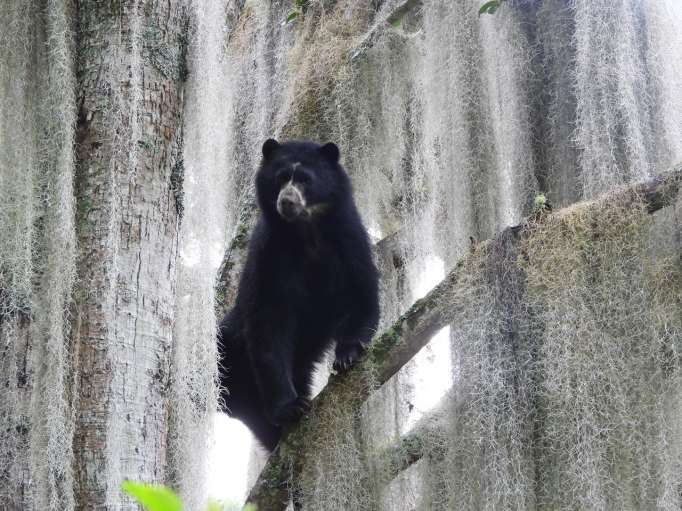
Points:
309	281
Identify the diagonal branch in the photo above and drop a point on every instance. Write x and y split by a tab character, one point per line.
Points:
394	348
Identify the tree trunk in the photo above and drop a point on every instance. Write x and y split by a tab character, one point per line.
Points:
91	198
130	71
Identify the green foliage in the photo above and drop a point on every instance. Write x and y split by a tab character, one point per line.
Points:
299	8
540	202
155	497
214	505
490	7
220	296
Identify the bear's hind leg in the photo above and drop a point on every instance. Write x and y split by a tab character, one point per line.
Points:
267	434
271	352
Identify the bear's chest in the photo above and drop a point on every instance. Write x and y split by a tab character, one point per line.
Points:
311	277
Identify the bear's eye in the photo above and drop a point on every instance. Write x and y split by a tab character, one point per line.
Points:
283	176
303	178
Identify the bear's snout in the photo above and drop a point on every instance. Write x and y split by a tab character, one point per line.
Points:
290	202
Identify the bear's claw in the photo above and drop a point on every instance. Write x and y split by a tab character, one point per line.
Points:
347	355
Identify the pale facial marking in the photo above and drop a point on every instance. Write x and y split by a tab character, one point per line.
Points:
295	188
292	194
290	201
317	209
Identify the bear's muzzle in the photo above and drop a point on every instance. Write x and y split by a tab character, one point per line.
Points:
291	204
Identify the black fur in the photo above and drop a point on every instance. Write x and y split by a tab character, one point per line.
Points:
308	281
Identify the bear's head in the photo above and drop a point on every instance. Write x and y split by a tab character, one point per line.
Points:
300	181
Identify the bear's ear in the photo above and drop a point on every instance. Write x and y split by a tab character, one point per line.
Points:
330	151
269	148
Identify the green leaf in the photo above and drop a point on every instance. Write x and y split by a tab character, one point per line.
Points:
153	497
292	16
216	505
540	201
395	23
489	7
213	505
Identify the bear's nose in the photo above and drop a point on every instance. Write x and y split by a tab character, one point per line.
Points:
288	207
290	203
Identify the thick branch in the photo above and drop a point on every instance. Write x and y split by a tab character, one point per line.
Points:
424	439
661	191
394	348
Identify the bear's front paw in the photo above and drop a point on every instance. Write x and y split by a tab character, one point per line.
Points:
291	411
346	355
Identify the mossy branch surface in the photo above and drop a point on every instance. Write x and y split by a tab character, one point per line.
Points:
392	19
397	345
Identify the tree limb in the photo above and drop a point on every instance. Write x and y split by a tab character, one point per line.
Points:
412	331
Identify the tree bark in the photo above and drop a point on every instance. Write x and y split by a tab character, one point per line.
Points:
130	73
